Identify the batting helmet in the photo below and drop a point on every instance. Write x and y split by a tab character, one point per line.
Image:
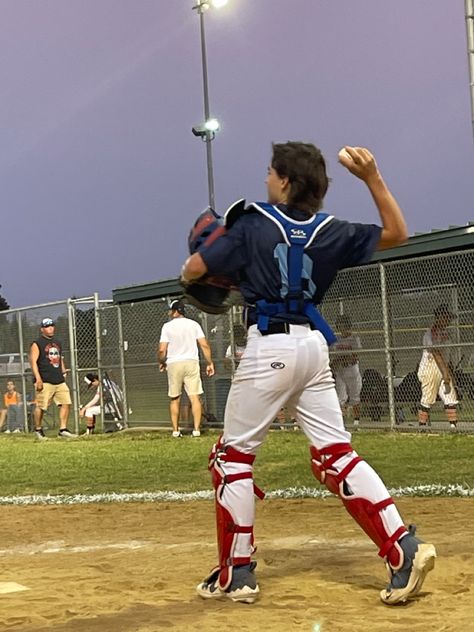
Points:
211	293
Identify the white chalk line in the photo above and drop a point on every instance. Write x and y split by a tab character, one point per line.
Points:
454	490
61	546
11	587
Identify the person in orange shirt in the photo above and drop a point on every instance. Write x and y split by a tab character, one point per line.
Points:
12	402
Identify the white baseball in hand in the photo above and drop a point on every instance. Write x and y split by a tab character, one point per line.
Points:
344	155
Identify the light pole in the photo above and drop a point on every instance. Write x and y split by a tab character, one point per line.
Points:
207	131
469	7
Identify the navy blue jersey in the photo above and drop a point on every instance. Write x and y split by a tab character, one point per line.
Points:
251	249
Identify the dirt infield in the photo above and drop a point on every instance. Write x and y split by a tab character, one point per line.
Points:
133	568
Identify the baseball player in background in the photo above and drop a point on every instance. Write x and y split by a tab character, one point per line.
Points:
286	254
434	371
345	366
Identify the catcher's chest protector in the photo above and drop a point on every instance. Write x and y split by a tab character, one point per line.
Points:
295	267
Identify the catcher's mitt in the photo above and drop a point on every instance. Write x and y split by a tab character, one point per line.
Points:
211	294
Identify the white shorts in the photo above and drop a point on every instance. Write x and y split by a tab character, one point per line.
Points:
93	411
283	370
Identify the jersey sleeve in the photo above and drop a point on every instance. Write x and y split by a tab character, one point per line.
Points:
164	334
199	332
359	243
228	254
427	339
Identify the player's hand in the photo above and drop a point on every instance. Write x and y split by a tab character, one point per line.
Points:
447	387
359	161
81	412
162	367
210	369
39	385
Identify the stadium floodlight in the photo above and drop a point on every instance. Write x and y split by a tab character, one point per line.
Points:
217	4
209	128
212	125
207	131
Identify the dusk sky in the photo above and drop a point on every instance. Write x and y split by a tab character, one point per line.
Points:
101	177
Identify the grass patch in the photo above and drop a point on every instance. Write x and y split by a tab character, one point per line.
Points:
157	462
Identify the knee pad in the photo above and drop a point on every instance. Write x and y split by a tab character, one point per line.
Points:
450	406
364	512
226	524
425	409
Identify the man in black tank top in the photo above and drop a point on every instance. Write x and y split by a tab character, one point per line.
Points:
48	368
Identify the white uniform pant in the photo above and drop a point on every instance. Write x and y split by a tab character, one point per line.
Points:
348	385
432	385
288	370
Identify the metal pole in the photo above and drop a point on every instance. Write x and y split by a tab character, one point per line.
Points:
71	318
98	343
19	316
122	364
387	345
205	85
469	5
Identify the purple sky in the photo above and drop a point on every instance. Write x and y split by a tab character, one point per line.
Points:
101	178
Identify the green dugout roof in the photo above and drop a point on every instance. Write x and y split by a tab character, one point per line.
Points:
419	245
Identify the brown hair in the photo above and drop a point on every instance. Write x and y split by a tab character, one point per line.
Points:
304	166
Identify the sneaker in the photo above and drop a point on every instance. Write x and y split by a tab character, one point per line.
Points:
418	561
196	433
89	431
17	430
453	427
177	433
243	586
7	431
65	434
356	424
40	434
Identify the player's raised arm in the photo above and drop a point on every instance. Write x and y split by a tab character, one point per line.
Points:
361	163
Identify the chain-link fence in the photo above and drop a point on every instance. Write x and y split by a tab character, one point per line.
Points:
381	313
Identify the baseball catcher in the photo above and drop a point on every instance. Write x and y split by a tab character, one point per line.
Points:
283	255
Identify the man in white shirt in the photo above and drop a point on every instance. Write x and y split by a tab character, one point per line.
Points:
178	354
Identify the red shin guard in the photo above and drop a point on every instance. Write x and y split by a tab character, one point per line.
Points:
227	527
364	512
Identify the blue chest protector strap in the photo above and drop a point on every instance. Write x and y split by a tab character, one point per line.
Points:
297	235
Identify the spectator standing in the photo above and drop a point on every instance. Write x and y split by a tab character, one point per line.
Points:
345	366
233	357
435	372
178	354
49	371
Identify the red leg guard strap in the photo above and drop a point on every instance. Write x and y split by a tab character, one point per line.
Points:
221	454
230	478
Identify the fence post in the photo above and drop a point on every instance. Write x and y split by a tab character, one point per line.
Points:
71	320
387	345
98	343
22	365
122	364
